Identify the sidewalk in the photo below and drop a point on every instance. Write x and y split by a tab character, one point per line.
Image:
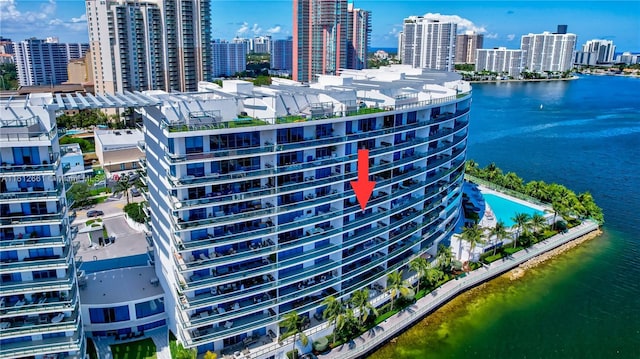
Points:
407	317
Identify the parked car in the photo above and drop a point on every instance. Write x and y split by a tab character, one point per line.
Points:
94	213
135	192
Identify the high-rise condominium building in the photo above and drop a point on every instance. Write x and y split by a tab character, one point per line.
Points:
319	38
548	51
149	44
428	43
228	58
39	307
252	209
604	50
500	60
262	45
358	33
44	62
281	54
466	46
323	33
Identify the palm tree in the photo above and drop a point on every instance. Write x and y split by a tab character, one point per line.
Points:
473	236
333	310
345	320
433	275
558	208
293	324
360	300
444	257
500	232
122	186
537	222
420	266
521	221
397	286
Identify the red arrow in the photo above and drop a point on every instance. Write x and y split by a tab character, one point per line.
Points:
363	187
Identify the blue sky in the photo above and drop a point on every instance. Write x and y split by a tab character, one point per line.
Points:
502	22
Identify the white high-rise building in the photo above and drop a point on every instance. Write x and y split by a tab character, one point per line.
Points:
500	60
604	49
44	62
262	45
252	209
39	307
428	43
149	44
228	58
548	51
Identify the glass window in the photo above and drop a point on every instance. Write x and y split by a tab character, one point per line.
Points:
193	144
109	315
152	307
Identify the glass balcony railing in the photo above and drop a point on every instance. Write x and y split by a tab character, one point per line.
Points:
41	305
43	323
22	219
45	346
33	195
35	242
37	263
46	167
37	285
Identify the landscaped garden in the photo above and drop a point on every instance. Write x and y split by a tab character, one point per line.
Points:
141	349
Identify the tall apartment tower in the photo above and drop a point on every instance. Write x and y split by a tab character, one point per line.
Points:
548	51
500	60
149	44
44	62
281	54
252	210
604	50
319	38
428	43
228	58
39	307
466	46
358	36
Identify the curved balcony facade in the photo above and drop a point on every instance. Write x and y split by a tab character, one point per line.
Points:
39	307
253	222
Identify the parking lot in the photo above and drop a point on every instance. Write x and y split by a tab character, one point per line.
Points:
128	241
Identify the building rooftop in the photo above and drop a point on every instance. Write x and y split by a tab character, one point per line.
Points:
120	286
118	139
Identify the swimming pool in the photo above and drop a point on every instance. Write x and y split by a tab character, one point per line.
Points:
505	209
74	132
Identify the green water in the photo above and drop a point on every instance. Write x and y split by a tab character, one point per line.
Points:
584	303
520	318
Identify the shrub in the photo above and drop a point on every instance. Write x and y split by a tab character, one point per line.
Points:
134	211
292	354
321	344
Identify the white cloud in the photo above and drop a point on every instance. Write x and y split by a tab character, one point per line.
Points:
82	18
243	28
510	37
24	24
274	30
463	24
256	29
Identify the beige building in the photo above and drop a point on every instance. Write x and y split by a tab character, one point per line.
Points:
80	71
118	150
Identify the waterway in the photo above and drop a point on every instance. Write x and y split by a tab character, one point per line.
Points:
584	303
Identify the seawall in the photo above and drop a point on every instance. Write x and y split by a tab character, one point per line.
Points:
406	318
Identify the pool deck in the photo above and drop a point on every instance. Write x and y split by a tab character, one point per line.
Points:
385	331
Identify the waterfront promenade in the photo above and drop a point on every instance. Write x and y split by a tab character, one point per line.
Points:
391	327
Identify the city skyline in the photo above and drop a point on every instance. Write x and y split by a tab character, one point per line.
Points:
502	23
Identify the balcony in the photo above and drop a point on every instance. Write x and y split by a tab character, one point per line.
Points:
223	330
36	169
21	130
37	286
35	242
31	196
37	263
40	304
44	346
44	323
19	218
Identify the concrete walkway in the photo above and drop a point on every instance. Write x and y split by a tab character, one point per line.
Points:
407	317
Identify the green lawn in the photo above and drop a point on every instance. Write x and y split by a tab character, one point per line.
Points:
141	349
